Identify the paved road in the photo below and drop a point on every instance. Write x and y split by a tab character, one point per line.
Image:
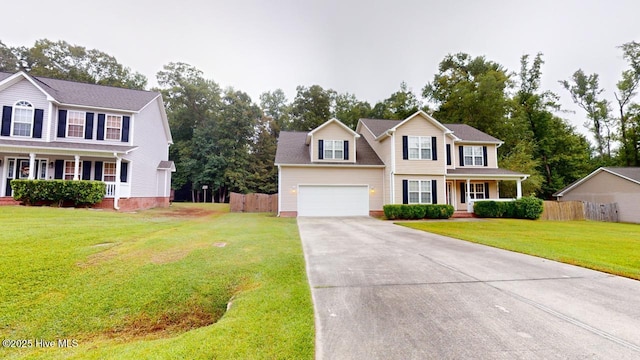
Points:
382	291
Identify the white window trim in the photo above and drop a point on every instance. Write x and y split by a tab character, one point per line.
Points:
84	116
420	191
106	121
73	162
473	156
473	191
420	148
104	174
333	149
13	117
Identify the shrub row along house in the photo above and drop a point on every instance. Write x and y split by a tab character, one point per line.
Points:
56	129
335	171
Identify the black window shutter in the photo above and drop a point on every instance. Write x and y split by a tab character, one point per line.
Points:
88	126
125	129
448	154
434	191
486	190
405	191
86	170
37	123
461	150
62	123
484	155
97	171
434	148
124	167
346	150
463	190
320	149
405	148
100	133
6	120
59	169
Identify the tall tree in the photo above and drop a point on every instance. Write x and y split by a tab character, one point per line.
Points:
400	105
274	104
61	60
311	107
349	109
626	90
586	93
471	91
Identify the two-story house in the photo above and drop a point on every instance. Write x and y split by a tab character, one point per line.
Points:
56	129
335	171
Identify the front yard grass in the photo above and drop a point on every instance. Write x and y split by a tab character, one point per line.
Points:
610	247
155	284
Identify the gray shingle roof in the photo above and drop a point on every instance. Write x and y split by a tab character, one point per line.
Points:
99	96
462	131
292	150
107	148
629	172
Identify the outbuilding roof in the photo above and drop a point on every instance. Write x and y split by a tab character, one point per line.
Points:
629	173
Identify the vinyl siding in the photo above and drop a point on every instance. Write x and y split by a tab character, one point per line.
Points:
291	177
333	131
24	90
492	155
383	150
608	188
420	127
397	199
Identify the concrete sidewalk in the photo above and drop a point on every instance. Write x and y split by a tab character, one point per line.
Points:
383	291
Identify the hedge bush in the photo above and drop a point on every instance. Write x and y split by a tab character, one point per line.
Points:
524	208
80	192
417	211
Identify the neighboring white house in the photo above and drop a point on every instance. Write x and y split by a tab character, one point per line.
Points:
335	171
607	185
56	129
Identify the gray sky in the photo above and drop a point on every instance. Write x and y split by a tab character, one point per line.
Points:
362	47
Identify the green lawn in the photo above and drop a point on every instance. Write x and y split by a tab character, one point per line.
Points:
610	247
155	284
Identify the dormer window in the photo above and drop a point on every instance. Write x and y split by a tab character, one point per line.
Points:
334	150
22	119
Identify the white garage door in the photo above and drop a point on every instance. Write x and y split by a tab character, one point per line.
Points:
333	200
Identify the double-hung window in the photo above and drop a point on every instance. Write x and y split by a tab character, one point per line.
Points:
69	169
109	172
473	155
22	119
333	149
75	124
476	191
419	147
113	127
419	192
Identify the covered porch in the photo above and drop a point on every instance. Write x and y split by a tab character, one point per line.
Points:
32	160
466	186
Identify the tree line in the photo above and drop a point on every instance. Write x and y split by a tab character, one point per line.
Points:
225	140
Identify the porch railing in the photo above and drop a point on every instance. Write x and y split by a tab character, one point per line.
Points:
125	190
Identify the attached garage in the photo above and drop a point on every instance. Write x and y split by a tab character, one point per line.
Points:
333	200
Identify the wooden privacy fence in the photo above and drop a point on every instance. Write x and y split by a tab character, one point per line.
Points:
579	210
253	202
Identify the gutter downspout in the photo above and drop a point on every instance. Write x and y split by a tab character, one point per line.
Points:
279	189
116	195
392	184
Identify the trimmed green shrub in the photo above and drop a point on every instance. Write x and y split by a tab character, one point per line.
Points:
524	208
417	211
80	192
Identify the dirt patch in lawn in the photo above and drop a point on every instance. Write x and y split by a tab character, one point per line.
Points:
187	212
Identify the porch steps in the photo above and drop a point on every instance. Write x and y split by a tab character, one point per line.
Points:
8	200
463	215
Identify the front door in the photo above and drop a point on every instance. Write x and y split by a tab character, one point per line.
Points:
19	169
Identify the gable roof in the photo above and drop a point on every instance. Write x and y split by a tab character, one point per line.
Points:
293	150
462	132
90	95
628	173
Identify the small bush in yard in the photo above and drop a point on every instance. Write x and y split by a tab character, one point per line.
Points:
524	208
417	211
529	207
489	209
79	192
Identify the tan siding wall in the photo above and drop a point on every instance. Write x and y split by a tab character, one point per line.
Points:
24	90
420	127
607	188
398	185
453	153
291	177
334	131
492	155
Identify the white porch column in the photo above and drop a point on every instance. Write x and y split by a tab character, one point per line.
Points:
116	195
518	188
32	166
76	168
468	197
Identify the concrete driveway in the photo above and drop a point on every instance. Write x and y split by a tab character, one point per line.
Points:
382	291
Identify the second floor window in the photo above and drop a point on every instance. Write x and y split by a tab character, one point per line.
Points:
473	155
113	127
22	119
75	124
419	147
334	149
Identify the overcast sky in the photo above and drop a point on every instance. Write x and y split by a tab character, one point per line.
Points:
364	47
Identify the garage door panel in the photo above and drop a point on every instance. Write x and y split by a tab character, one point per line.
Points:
333	201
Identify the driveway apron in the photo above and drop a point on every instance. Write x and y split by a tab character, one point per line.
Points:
383	291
